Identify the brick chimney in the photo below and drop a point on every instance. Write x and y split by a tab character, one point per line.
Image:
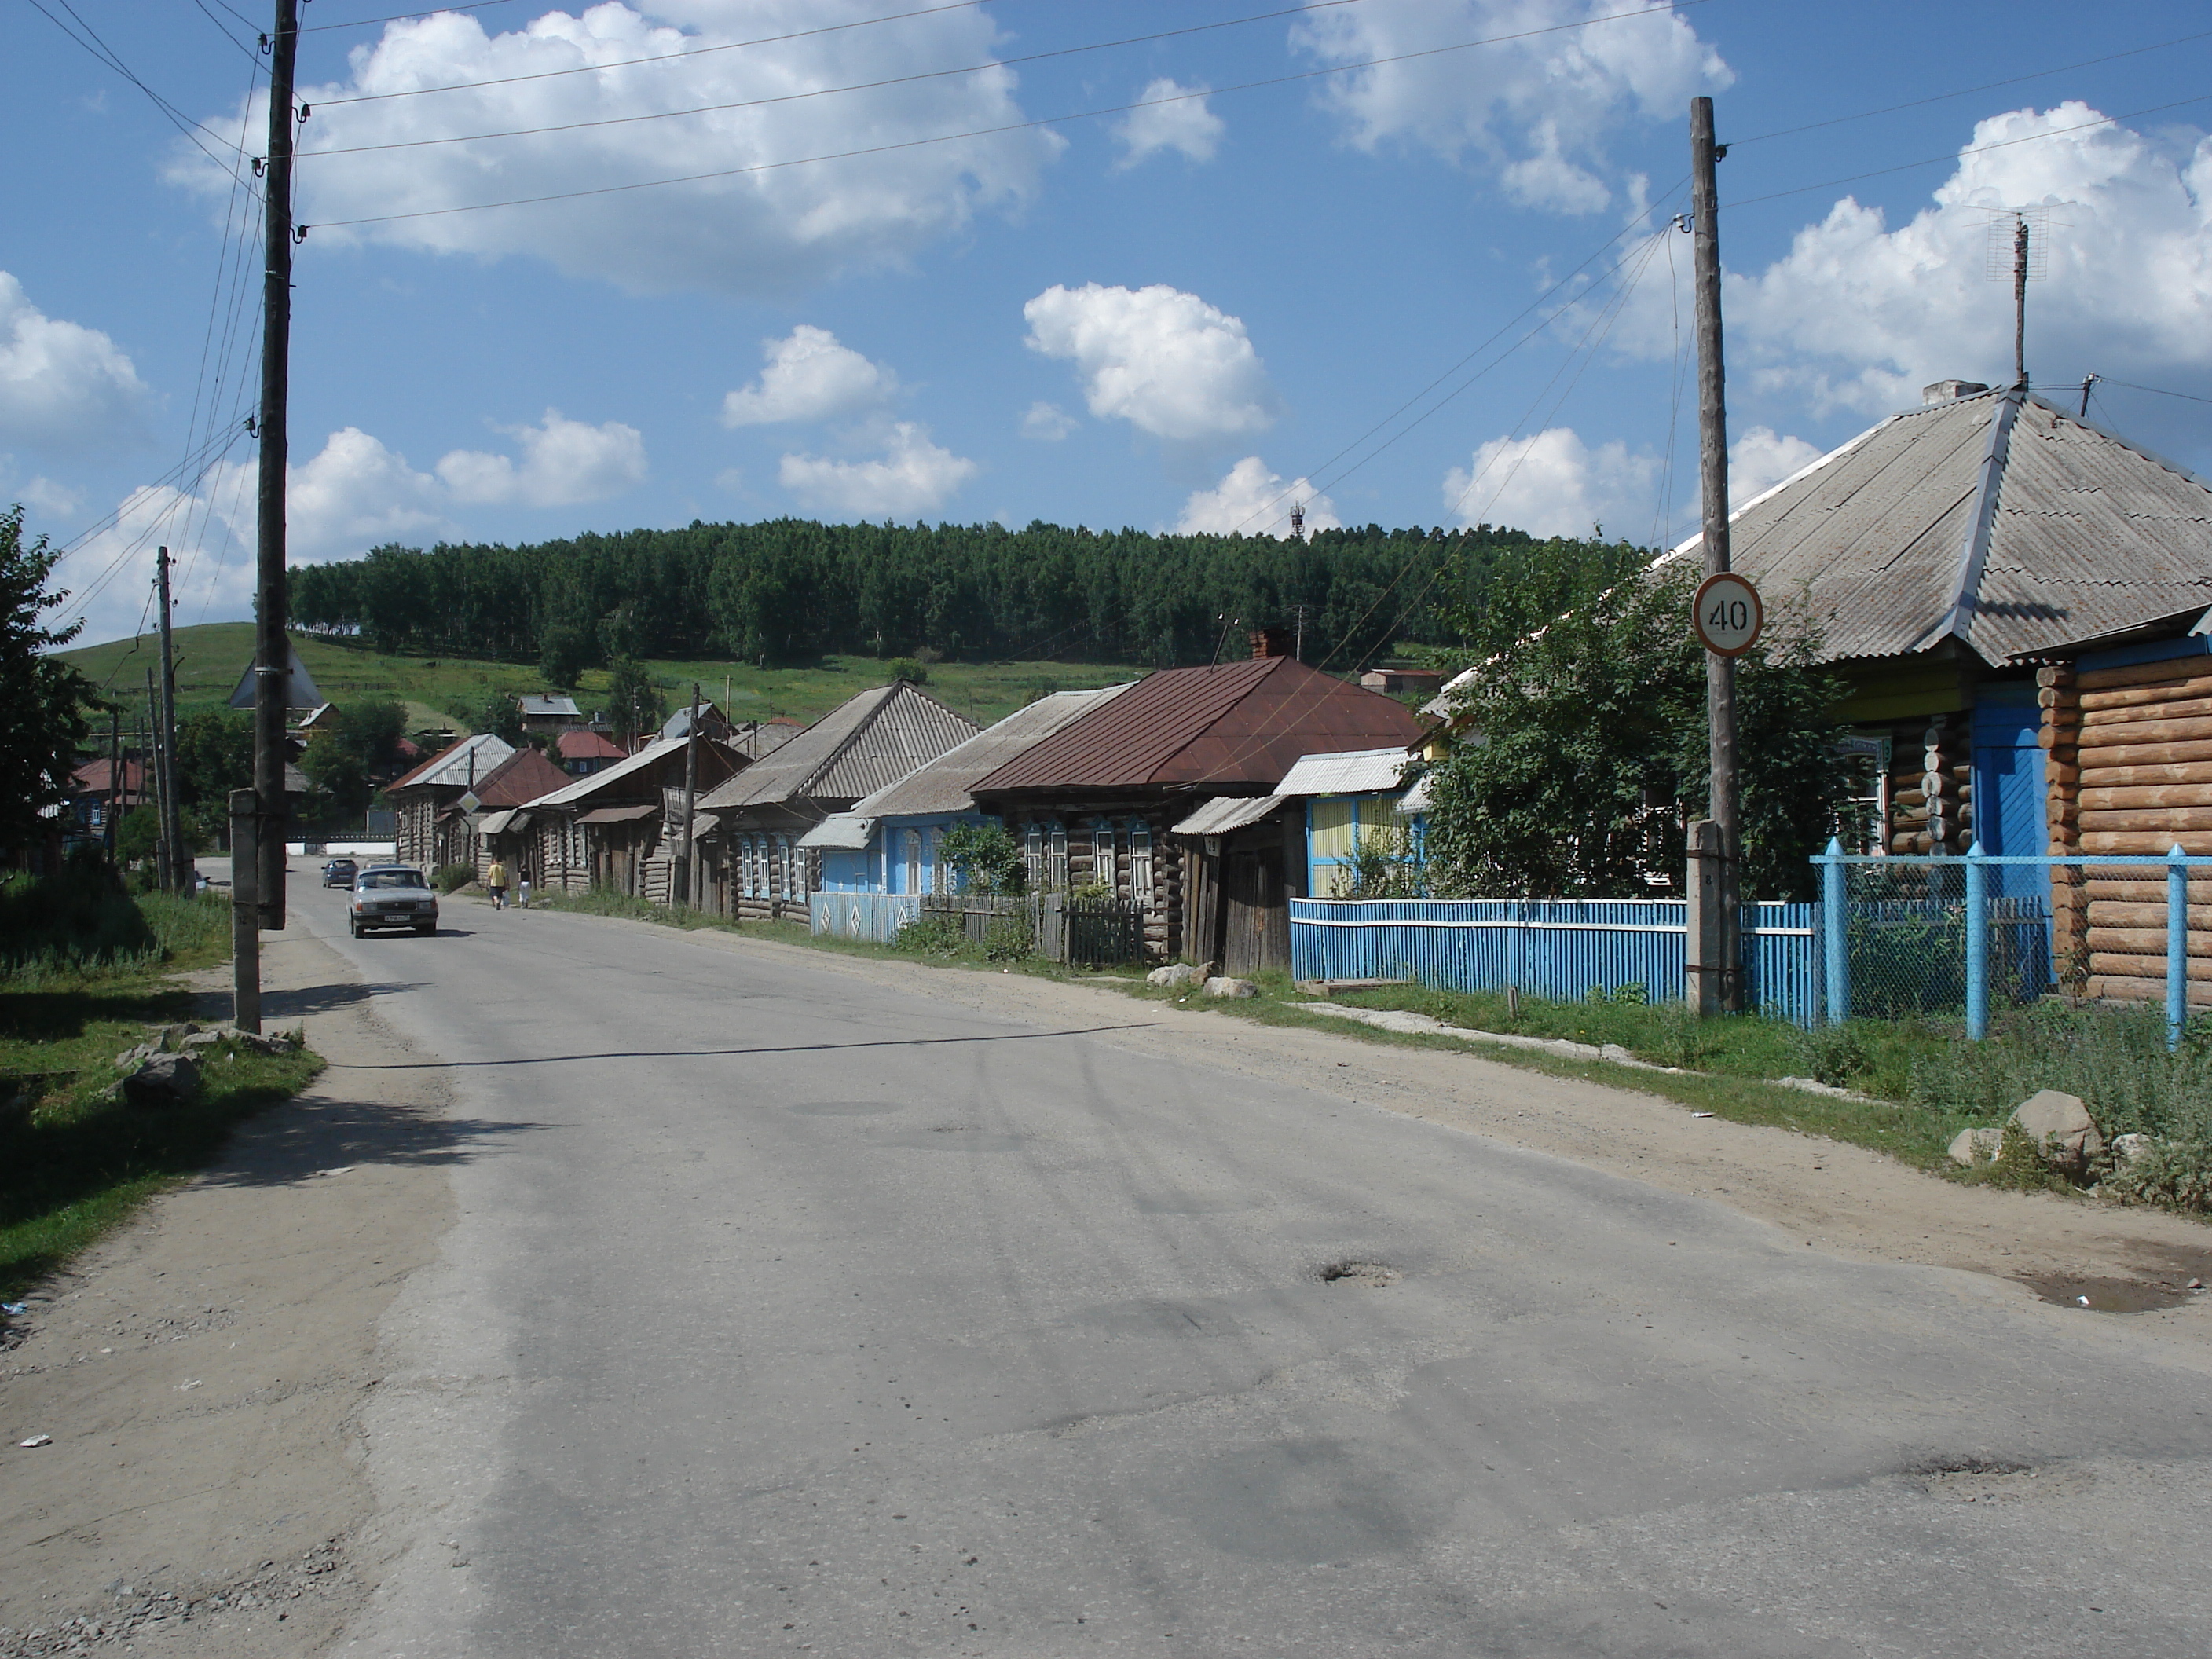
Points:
1271	641
1943	392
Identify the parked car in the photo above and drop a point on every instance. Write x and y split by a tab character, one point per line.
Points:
392	896
340	872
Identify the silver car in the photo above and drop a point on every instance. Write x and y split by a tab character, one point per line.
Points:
392	896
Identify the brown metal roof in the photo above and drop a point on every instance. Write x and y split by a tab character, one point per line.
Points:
1998	519
857	747
1234	724
618	814
522	776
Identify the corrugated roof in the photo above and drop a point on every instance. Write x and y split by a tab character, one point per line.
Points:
618	814
453	768
760	739
582	743
1234	723
577	789
522	776
1950	521
535	708
1348	772
945	784
857	747
1226	812
840	832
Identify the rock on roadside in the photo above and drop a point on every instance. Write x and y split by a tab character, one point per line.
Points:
2060	1127
1973	1146
1231	988
162	1080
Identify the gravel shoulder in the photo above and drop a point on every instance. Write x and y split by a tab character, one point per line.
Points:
1833	1197
200	1372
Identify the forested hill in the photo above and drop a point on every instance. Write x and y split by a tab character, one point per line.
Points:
789	589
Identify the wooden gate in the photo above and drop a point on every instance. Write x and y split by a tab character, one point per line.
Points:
1256	919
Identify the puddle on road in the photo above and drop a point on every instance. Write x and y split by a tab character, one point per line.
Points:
2107	1295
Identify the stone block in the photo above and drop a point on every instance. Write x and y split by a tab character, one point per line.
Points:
162	1080
1973	1146
1231	988
2060	1126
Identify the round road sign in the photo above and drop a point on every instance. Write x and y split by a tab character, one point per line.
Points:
1727	615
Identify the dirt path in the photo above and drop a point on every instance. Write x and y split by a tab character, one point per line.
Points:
200	1371
1841	1198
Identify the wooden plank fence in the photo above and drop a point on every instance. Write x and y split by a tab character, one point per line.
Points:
1562	950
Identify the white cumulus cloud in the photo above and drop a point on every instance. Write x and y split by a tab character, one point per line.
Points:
564	462
1555	484
809	376
63	386
1170	116
912	476
109	576
1046	423
1761	458
1534	112
1252	500
1859	316
1162	360
747	222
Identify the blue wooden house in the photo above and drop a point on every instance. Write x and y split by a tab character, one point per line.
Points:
887	843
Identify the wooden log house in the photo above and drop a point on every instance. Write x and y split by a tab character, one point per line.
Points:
2127	727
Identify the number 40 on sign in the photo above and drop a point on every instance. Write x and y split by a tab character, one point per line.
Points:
1727	615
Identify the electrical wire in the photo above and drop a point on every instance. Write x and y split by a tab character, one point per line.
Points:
2156	391
820	92
409	16
91	42
1293	78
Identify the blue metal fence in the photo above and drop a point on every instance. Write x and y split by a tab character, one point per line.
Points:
1560	949
1962	941
872	918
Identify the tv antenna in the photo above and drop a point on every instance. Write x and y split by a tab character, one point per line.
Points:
2018	250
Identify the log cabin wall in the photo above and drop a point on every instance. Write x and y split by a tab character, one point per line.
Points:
1162	901
1931	793
2130	754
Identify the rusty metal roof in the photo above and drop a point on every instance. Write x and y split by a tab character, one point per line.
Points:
946	784
1234	724
1997	519
522	776
857	747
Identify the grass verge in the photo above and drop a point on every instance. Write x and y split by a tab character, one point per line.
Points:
73	1164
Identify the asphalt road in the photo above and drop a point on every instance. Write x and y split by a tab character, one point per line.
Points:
786	1312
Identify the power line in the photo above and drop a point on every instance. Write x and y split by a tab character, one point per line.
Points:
2157	391
826	92
632	63
984	132
404	16
1967	92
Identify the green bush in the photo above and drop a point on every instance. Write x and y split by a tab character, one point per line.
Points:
1010	939
84	917
906	669
452	878
931	936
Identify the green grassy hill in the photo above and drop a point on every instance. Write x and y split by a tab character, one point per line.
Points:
211	657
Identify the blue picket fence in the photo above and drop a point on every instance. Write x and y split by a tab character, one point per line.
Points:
1558	949
872	917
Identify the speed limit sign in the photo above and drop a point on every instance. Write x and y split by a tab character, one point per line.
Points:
1727	615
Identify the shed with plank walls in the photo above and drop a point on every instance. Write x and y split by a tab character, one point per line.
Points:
1094	804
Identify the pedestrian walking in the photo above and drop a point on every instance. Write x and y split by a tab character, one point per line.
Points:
495	884
522	884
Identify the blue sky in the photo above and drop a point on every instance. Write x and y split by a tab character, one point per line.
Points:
1185	314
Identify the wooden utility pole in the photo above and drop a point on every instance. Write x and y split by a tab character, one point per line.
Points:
2020	306
160	767
682	872
1715	959
273	658
115	790
177	877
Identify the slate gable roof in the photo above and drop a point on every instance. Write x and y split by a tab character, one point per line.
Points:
864	742
452	767
1997	520
1236	724
946	784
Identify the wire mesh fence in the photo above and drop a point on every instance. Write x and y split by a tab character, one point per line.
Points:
1932	934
